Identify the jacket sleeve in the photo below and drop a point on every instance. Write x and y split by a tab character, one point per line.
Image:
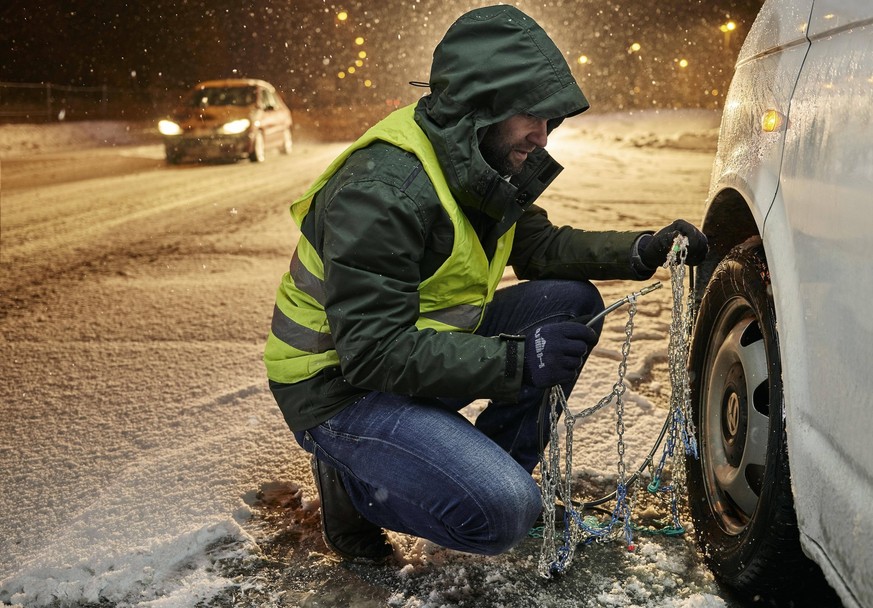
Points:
542	250
373	237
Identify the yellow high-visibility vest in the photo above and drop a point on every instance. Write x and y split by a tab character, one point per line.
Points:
452	299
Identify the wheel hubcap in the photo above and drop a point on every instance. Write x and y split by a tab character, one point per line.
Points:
734	419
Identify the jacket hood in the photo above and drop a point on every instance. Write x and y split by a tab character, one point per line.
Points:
493	63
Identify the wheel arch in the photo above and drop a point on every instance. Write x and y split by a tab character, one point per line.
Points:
728	222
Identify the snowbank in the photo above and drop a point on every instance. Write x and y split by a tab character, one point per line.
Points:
26	139
177	571
694	130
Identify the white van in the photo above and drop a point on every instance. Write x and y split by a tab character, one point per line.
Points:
782	384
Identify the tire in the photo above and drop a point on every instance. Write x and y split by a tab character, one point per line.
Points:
259	149
287	142
173	157
740	487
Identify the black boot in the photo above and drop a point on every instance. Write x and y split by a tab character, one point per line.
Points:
345	531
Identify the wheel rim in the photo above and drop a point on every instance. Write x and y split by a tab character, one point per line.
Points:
735	422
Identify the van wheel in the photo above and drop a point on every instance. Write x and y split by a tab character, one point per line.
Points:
173	157
740	488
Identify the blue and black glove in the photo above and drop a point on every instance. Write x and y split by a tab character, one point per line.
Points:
653	249
553	352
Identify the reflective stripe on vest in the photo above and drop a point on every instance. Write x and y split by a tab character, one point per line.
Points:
291	332
452	299
306	281
461	316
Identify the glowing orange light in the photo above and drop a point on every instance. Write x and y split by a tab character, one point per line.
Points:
771	121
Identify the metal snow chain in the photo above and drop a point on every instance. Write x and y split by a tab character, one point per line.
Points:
556	559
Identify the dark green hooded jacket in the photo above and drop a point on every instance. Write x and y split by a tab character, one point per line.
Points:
380	229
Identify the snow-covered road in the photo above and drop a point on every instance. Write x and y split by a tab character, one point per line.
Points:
143	460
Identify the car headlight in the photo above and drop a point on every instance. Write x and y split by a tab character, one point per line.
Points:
236	126
168	127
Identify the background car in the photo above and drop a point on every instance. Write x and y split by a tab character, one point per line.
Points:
783	341
228	120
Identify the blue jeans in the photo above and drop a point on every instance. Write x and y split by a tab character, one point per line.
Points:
417	466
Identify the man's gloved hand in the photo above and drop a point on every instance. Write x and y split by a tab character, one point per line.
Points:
653	250
553	352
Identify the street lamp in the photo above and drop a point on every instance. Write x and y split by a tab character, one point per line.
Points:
727	29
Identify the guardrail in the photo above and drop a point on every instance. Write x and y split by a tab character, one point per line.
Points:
46	102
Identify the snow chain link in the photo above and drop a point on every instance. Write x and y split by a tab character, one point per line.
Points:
558	549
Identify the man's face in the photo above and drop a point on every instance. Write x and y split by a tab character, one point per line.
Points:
506	144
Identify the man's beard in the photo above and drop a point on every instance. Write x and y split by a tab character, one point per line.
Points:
497	150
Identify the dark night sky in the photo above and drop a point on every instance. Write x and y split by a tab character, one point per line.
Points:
301	45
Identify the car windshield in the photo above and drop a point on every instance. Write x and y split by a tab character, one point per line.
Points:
222	96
